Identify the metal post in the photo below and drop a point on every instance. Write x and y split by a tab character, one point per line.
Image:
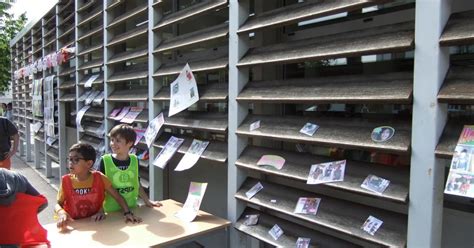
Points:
238	77
426	177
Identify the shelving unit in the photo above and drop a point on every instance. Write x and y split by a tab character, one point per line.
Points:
89	64
456	92
348	66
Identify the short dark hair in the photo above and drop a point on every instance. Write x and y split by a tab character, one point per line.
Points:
124	131
86	150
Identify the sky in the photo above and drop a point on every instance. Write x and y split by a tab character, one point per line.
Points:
33	8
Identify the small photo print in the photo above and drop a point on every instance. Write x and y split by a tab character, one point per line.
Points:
462	159
254	125
327	172
309	129
375	184
382	134
275	232
461	184
254	190
191	93
251	219
307	205
303	242
371	225
274	161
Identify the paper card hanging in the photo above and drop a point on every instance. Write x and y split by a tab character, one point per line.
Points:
153	129
79	116
183	91
192	155
91	79
167	152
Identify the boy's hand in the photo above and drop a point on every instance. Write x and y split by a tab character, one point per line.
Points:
132	218
98	216
63	219
151	204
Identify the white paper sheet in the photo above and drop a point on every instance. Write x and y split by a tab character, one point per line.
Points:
91	79
193	202
79	116
192	155
183	91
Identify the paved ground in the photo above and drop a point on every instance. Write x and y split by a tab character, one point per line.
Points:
45	186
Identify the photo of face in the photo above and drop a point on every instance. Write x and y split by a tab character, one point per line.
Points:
382	134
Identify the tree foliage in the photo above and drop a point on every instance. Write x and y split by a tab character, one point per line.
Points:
9	27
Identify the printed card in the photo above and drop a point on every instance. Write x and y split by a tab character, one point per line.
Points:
309	129
307	205
254	190
371	225
254	126
275	232
375	184
251	219
327	172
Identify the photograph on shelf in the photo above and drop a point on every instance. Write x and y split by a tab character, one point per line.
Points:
327	172
130	117
140	133
167	152
307	205
371	225
254	125
251	219
375	184
272	161
153	129
192	155
382	134
122	113
115	112
303	242
254	190
193	202
460	180
184	91
275	232
309	129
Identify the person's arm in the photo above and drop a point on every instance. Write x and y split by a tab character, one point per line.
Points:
129	217
148	202
14	148
63	217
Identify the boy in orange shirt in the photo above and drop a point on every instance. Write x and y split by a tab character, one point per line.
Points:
82	192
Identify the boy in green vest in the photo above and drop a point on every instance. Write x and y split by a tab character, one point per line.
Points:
122	169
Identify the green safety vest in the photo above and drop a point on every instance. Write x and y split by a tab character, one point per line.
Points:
124	181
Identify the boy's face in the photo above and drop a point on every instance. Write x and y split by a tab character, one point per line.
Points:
119	145
77	164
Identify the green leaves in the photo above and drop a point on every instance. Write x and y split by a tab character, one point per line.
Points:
9	27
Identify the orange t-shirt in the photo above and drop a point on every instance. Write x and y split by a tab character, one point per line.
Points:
82	187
